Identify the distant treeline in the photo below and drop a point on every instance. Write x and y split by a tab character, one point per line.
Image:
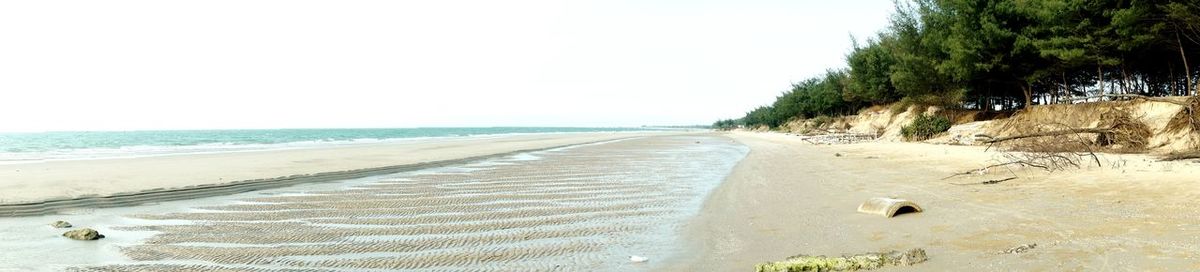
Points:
1003	55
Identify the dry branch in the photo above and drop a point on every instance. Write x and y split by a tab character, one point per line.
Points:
1186	155
987	182
989	139
985	168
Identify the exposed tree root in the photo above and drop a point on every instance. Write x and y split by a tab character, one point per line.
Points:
1133	96
989	139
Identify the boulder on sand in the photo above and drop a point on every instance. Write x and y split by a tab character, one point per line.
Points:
83	234
60	224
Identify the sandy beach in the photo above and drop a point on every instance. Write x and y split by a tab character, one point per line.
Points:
581	207
690	202
70	179
788	197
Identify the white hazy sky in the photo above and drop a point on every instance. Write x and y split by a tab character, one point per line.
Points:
154	64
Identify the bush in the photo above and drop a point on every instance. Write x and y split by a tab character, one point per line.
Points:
821	120
924	127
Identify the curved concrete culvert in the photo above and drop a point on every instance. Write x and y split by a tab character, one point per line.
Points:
888	207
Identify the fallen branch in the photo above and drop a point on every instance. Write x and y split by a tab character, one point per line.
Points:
985	168
1186	155
987	139
977	170
988	182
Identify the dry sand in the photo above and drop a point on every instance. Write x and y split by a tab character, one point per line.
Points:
789	198
32	182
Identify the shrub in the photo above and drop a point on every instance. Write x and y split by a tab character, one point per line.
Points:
924	127
821	120
901	106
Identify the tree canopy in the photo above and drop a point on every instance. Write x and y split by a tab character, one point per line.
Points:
1005	55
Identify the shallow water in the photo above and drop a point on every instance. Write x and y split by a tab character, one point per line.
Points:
24	147
585	207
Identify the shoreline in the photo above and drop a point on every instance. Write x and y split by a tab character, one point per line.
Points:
47	187
187	150
790	198
52	206
587	206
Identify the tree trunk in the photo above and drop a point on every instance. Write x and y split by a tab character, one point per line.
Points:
1125	83
1062	91
1100	72
1174	82
1028	90
1187	71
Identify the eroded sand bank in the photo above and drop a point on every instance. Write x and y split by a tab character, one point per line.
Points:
789	198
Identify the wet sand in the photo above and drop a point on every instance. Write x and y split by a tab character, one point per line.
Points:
589	207
42	187
578	208
788	197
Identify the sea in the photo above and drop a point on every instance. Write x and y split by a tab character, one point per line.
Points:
23	147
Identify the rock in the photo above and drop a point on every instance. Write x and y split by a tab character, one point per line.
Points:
907	258
866	261
1020	249
83	234
837	154
60	224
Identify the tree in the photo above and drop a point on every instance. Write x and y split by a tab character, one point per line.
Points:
869	77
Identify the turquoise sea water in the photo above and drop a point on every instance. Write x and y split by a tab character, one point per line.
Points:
34	146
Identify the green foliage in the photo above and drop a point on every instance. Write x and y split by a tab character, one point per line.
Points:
726	124
822	263
813	97
821	120
925	126
1007	54
857	262
870	72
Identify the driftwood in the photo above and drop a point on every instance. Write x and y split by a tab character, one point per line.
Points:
988	182
989	139
1186	155
981	169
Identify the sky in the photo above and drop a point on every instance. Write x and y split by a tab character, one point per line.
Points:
232	64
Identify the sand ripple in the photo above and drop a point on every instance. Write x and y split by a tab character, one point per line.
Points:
580	208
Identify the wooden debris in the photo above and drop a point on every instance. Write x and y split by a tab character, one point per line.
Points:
1186	155
987	182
